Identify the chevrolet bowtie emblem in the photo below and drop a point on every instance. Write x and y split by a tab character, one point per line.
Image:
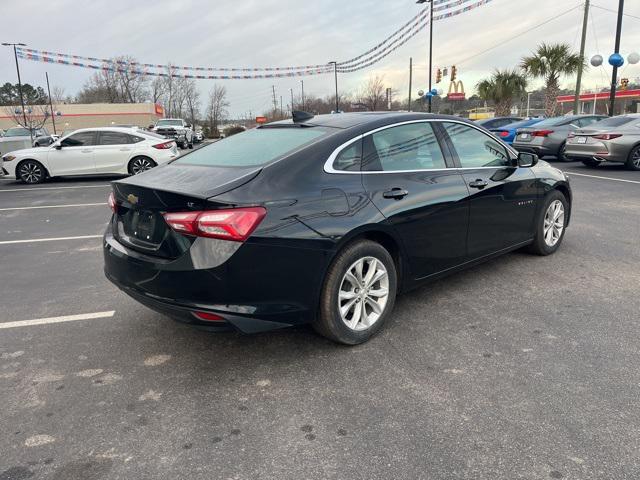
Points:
132	199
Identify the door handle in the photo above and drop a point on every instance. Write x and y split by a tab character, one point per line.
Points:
478	183
396	193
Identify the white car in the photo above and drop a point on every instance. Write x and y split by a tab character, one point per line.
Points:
91	151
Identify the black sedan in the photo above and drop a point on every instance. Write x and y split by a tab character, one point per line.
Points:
324	219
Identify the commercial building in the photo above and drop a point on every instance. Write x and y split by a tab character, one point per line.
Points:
72	116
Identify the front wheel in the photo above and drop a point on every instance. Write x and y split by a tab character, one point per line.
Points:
31	172
550	225
633	162
358	293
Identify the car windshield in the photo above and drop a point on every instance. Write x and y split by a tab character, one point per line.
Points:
258	146
169	123
523	123
555	121
616	121
17	132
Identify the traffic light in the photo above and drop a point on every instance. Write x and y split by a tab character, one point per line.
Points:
438	76
454	73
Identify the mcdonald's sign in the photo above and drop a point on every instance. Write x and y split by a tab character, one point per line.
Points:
456	91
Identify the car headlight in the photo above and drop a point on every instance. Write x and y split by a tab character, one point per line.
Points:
8	158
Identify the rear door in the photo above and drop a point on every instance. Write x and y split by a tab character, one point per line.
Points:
112	151
76	155
406	175
502	196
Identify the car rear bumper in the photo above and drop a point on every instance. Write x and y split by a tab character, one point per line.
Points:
599	151
257	288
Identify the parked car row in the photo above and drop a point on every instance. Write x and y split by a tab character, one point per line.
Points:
592	139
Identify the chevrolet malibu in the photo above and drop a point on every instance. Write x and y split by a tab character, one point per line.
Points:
325	219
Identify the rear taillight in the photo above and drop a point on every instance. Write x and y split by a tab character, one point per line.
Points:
607	136
541	133
233	224
208	317
113	205
503	133
163	146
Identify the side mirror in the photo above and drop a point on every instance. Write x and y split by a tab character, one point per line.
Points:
527	159
188	125
57	145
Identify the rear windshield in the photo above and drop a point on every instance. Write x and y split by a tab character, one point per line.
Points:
616	121
171	123
523	123
258	146
17	132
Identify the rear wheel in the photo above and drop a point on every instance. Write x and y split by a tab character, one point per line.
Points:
562	153
633	162
140	164
550	225
31	172
358	294
589	162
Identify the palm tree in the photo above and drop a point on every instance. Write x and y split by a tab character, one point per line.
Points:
501	89
550	62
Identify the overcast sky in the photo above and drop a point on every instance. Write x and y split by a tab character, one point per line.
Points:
293	32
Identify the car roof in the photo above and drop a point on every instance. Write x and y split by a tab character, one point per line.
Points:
356	119
109	129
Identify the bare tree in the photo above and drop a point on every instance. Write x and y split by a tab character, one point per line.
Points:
119	82
192	100
373	93
36	115
217	106
158	90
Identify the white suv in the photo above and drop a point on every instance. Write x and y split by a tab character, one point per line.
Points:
91	151
177	129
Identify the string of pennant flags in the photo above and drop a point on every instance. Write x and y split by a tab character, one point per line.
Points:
390	44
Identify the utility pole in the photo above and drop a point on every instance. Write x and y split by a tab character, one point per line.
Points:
585	21
430	45
275	103
291	89
302	86
410	79
53	118
281	111
24	113
614	75
335	73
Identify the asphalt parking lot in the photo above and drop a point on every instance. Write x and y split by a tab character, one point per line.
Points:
524	367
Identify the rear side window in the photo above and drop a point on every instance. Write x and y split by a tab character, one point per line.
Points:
349	158
475	148
114	138
255	147
616	121
406	147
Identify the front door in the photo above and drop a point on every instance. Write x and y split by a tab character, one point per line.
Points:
75	157
502	196
112	151
407	178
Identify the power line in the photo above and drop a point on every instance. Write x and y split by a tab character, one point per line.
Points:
615	11
502	42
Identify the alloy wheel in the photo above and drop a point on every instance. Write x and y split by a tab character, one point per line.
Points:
30	172
635	158
553	223
140	165
363	293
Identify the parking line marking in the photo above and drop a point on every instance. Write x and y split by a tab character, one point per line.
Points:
603	178
82	237
51	188
52	206
66	318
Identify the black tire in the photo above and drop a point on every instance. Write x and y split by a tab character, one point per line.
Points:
562	156
589	162
329	322
633	162
539	245
191	146
140	164
31	172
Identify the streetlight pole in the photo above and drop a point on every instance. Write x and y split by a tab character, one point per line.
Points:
585	21
302	86
15	54
53	118
430	45
528	102
614	75
335	73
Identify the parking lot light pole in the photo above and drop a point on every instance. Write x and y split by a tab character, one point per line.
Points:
15	54
335	73
430	2
614	75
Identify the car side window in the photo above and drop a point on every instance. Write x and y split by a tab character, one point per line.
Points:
475	148
349	159
135	139
412	146
80	139
113	138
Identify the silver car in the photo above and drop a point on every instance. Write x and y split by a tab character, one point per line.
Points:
616	139
548	138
